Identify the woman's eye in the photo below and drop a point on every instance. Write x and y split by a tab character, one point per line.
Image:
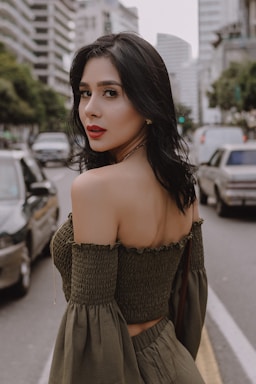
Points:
110	93
84	93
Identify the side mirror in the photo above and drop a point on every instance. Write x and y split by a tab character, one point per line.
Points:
42	188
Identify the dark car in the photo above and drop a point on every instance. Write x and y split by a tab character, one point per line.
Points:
29	212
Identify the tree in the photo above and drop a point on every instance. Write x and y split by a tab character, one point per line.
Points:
24	99
20	101
236	87
55	109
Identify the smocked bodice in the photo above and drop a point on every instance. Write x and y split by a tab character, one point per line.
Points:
140	280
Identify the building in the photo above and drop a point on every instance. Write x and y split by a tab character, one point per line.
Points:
98	17
16	29
188	87
177	55
212	17
53	37
39	32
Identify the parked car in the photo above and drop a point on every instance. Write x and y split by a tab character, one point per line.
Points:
29	212
229	177
208	138
52	147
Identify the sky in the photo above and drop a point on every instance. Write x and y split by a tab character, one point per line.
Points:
174	17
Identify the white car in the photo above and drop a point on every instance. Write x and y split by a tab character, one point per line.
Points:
52	147
229	177
208	138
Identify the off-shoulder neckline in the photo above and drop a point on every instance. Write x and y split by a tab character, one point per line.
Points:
177	245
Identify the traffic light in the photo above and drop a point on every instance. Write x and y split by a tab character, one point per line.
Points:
181	119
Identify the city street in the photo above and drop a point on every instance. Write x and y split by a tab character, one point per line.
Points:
28	326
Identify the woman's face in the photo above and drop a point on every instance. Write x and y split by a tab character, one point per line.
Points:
110	121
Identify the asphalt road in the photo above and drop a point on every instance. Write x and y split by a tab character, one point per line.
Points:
231	265
28	326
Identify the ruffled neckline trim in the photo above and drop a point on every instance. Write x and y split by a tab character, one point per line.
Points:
173	245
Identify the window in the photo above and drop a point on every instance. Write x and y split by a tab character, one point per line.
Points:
31	171
9	186
216	158
242	157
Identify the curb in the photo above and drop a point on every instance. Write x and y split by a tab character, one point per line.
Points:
206	361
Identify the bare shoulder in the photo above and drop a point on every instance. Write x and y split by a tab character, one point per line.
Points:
98	183
93	207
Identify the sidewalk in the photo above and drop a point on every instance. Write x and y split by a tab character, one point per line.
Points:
206	361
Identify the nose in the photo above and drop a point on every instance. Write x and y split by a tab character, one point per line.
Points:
92	107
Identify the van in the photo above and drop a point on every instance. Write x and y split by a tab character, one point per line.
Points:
208	138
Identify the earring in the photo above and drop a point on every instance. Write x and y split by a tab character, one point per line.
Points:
148	121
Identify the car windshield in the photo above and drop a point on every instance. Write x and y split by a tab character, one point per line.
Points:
47	139
242	157
9	186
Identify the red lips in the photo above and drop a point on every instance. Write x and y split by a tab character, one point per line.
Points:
94	131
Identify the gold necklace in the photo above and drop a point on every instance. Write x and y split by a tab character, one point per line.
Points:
132	151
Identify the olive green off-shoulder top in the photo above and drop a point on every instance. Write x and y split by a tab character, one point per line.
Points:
141	284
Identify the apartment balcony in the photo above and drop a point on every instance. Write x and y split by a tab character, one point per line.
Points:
20	51
9	29
8	12
53	39
51	72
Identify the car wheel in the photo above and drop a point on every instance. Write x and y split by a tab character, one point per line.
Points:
221	207
202	197
22	286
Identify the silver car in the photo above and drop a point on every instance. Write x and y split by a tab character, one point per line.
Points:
230	177
52	147
29	212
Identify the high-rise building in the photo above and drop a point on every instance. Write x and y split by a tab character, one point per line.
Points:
41	33
54	35
177	55
16	29
189	87
98	17
213	15
248	12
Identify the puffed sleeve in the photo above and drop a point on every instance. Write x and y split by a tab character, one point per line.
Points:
196	298
93	344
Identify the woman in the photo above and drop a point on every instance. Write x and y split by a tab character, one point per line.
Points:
121	252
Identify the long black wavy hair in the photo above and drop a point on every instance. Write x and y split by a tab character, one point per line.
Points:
146	83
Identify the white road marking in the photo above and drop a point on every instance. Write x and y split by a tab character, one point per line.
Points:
45	374
240	345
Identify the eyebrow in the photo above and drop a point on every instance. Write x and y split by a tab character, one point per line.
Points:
102	83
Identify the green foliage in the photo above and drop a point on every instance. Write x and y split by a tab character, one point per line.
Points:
25	100
55	109
236	87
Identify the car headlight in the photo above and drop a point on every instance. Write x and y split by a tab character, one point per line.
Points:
5	241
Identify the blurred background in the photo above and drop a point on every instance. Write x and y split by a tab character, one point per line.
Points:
209	48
